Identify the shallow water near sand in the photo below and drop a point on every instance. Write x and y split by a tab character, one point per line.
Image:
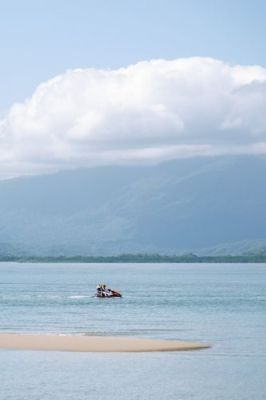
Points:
222	304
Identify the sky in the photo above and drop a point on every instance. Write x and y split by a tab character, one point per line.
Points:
40	39
75	40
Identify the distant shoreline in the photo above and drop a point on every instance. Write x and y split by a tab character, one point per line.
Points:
138	259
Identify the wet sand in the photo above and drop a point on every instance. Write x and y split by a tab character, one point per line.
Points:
82	343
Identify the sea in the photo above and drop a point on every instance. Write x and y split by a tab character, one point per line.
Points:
223	305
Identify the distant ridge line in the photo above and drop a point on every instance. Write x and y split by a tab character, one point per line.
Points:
140	258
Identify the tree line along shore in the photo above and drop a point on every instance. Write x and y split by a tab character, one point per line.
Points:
139	258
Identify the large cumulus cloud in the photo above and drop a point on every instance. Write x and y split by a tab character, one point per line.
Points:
147	112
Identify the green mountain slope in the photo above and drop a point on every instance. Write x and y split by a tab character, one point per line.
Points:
174	207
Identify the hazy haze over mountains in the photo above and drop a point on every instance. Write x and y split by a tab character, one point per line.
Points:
173	207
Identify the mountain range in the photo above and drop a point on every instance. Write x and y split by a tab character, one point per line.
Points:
212	205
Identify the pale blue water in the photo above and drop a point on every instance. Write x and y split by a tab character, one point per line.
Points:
223	305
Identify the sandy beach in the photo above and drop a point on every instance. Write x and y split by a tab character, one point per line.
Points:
80	343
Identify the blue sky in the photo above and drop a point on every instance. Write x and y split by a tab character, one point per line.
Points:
40	39
192	95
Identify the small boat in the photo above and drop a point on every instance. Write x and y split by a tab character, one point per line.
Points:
103	292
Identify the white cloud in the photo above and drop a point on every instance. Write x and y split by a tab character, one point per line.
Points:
147	112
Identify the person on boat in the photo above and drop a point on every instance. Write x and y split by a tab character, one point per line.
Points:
109	292
99	290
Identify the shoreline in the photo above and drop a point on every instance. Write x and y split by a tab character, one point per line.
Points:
139	259
92	344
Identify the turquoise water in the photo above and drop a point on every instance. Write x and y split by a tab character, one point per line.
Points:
223	305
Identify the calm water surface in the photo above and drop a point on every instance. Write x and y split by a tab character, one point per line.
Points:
223	305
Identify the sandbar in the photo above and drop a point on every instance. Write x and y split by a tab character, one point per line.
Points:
94	344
